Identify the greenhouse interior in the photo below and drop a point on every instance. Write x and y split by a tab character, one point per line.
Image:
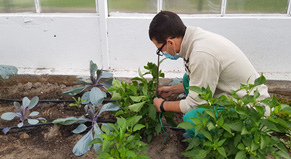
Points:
131	79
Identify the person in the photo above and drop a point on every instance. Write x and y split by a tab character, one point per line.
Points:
210	60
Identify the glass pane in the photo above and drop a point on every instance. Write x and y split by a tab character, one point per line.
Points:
68	6
13	6
193	6
132	6
257	6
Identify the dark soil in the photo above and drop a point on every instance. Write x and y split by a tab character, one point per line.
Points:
57	141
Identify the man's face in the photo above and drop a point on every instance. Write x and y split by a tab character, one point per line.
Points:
166	47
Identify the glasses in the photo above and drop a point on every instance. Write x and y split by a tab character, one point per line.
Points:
159	50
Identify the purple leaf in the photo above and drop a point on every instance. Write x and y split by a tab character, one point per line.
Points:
5	130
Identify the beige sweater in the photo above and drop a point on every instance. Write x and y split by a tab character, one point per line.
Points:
213	60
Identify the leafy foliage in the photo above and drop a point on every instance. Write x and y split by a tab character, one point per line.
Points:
235	127
22	113
121	140
6	70
92	113
96	76
136	98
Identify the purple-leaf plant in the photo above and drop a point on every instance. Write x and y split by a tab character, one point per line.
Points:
92	113
95	80
22	113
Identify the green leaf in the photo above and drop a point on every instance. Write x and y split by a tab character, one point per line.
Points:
244	131
81	128
237	139
82	146
220	121
254	146
116	96
152	112
241	146
265	140
236	125
193	143
137	98
260	80
221	150
105	128
138	127
206	134
136	107
221	142
211	113
270	125
185	125
8	116
226	127
195	89
241	155
210	126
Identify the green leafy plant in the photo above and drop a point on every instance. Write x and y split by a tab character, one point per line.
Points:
96	76
122	140
235	127
136	98
287	142
6	70
23	113
78	102
93	111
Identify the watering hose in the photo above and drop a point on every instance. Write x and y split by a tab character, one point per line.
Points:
99	121
157	94
50	101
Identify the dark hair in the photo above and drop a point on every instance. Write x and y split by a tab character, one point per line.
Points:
166	24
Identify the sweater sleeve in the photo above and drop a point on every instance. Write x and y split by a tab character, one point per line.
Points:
204	70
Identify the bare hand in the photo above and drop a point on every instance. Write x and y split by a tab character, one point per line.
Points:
157	102
165	91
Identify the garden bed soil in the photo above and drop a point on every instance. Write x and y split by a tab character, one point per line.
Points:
57	141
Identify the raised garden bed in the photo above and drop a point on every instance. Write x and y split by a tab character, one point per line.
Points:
57	141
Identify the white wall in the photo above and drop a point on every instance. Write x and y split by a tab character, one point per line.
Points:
28	42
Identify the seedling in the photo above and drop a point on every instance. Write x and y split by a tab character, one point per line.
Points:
122	140
92	113
22	113
78	102
95	81
6	70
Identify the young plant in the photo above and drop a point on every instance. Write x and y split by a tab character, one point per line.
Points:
137	99
96	76
22	113
236	127
78	102
121	140
6	70
93	111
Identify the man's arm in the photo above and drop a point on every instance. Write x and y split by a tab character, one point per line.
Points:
169	106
